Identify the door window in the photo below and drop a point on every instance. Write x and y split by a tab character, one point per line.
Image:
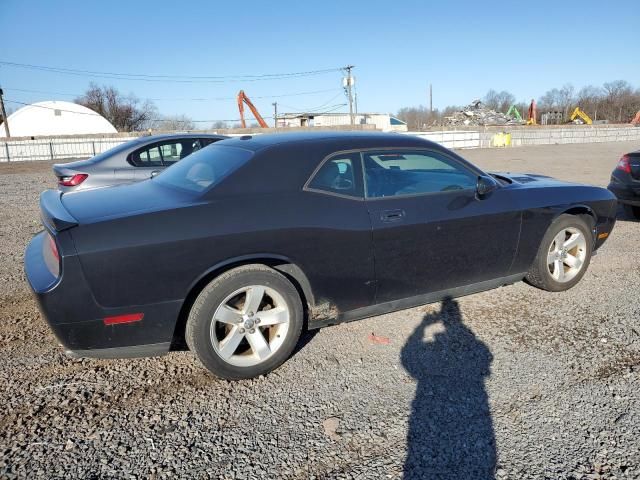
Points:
165	153
400	172
176	150
338	175
147	157
170	152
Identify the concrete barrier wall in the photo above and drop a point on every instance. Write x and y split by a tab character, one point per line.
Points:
558	136
451	139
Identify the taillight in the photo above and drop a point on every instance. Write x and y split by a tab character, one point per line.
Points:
624	164
51	255
72	180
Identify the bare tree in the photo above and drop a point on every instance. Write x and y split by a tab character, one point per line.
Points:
499	101
619	99
558	99
566	98
417	118
589	99
126	113
172	122
219	125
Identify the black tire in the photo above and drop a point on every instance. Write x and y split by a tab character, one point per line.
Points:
197	333
539	274
632	211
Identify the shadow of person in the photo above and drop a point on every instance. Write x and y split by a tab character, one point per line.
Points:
450	430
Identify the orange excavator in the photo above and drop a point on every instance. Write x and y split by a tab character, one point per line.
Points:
242	99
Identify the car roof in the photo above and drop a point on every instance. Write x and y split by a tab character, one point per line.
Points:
343	139
169	136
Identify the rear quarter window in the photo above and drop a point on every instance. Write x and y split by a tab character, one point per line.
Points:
205	168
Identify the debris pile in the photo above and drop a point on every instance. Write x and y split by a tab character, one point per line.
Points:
477	114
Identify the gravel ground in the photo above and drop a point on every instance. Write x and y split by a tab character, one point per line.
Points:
512	383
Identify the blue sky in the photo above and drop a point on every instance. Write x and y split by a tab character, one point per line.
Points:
463	48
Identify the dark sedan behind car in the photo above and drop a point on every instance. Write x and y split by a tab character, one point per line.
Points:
625	183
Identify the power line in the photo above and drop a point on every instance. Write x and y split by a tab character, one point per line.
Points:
170	78
320	107
177	99
332	108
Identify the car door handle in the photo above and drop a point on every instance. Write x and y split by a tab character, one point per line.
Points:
391	215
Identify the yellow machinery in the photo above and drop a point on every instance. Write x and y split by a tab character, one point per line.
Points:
583	116
502	139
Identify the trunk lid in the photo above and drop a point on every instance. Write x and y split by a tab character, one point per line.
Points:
124	200
55	217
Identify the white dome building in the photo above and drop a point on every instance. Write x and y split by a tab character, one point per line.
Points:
56	118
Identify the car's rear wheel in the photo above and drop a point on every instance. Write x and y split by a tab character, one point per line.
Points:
245	323
563	256
632	211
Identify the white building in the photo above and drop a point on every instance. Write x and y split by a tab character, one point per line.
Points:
55	118
382	121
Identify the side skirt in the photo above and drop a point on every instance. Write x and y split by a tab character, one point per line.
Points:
411	302
135	351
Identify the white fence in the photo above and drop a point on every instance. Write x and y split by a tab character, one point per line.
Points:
451	139
56	148
70	148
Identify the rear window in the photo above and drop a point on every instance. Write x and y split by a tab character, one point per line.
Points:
204	168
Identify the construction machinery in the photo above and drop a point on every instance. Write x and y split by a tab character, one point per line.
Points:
532	114
583	116
242	99
514	112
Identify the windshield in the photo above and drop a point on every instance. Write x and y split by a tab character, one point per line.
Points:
204	168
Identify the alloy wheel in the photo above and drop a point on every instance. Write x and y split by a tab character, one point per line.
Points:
567	254
250	325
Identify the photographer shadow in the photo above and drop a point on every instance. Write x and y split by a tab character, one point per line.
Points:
450	430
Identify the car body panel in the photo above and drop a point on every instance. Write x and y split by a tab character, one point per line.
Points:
457	239
112	167
146	248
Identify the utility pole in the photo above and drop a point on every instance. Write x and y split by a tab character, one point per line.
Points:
3	112
348	68
430	98
275	114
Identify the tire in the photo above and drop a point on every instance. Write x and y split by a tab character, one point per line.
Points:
230	339
632	211
563	272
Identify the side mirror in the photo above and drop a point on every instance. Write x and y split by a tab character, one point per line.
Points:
485	186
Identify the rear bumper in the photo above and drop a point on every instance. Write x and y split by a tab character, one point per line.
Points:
78	321
627	194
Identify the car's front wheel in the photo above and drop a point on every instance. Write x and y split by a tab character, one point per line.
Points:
563	255
245	323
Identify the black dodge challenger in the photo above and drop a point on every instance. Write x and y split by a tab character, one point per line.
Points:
237	246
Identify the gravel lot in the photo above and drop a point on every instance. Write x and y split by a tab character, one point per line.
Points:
541	385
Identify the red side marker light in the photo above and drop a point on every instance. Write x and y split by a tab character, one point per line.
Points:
127	318
54	248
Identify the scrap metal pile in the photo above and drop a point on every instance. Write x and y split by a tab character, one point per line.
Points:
477	114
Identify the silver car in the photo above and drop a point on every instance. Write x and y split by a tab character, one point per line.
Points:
133	161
